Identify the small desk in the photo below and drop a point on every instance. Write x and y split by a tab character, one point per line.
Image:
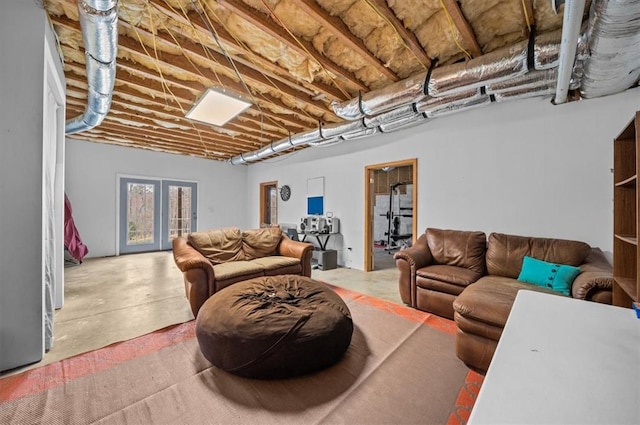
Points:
561	360
323	245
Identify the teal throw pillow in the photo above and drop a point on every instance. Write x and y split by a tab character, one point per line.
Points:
558	277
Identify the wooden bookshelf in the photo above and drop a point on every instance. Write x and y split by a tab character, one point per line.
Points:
626	205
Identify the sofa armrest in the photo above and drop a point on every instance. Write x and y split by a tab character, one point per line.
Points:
296	249
198	274
409	260
417	256
187	257
596	276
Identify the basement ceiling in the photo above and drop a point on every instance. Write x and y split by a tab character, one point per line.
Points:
291	59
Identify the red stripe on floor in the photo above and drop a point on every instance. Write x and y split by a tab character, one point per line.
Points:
466	399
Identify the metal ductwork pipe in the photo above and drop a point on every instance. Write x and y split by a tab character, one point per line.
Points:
99	23
572	20
499	65
614	43
612	66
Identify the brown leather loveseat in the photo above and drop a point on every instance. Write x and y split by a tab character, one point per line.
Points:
217	258
457	275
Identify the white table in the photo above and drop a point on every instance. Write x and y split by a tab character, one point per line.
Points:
561	361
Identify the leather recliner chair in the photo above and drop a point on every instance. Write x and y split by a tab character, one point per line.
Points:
438	267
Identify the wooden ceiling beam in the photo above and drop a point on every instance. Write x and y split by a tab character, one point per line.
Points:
338	28
231	84
466	32
255	127
409	38
119	109
130	141
253	60
156	106
303	47
141	72
246	72
145	129
165	116
158	98
183	65
159	137
187	98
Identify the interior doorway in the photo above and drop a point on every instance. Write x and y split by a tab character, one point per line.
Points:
391	202
268	204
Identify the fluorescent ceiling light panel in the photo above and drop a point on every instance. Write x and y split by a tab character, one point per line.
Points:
217	107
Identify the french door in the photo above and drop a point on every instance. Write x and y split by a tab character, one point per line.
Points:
154	212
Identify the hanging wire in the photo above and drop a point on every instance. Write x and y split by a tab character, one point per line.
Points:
163	81
208	55
526	15
377	12
454	30
156	63
275	17
213	32
205	49
205	19
187	56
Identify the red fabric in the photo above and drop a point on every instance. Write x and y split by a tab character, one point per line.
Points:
72	240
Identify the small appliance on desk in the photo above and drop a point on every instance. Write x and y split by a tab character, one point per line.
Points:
317	224
322	227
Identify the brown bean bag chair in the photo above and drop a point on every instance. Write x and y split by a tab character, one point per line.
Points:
274	327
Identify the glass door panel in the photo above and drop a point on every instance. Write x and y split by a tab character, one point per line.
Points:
179	204
139	215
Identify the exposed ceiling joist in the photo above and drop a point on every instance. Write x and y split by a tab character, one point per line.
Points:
342	32
452	8
303	63
301	46
248	58
408	38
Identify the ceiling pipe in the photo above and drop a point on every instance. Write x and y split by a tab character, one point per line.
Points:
572	20
614	44
99	23
405	104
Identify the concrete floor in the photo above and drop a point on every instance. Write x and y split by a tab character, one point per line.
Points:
113	299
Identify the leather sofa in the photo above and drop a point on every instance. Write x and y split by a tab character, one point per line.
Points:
452	274
215	259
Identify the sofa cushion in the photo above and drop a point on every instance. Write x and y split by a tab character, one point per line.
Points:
276	262
489	300
505	253
458	248
449	274
238	268
558	277
258	243
219	245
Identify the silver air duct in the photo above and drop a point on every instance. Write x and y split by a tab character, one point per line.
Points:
402	123
614	42
613	39
99	23
400	113
499	65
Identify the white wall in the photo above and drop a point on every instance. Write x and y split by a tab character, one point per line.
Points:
91	185
523	167
23	29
